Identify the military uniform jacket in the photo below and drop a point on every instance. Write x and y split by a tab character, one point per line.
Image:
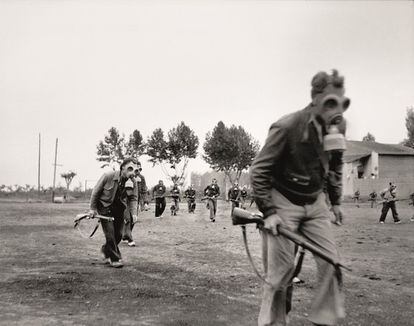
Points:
103	194
294	162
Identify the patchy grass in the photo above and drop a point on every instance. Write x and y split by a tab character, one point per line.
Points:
186	270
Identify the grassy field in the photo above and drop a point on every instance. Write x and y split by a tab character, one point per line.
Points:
186	270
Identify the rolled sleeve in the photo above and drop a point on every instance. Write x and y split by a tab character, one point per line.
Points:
263	166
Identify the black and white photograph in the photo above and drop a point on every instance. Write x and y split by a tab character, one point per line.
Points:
207	163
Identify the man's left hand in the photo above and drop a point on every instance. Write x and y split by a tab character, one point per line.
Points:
336	209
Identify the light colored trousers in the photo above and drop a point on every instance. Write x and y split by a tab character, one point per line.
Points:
313	222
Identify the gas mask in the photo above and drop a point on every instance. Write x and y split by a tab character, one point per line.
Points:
334	140
328	97
129	184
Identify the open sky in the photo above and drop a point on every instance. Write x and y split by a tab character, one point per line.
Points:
73	69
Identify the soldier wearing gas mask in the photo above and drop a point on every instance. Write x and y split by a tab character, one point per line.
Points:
115	192
233	195
301	158
389	197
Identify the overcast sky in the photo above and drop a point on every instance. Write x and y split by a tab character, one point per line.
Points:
73	69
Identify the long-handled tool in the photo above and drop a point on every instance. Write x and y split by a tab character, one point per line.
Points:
243	217
87	217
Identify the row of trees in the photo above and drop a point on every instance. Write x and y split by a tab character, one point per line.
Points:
227	149
67	176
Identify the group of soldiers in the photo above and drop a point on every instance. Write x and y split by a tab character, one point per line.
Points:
123	194
236	195
159	193
388	198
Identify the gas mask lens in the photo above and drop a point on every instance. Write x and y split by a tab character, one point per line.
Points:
130	169
333	102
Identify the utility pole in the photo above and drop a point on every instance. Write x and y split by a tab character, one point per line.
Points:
54	172
38	170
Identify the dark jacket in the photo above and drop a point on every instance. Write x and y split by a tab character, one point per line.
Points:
233	193
175	193
142	187
293	161
159	191
190	193
212	190
103	194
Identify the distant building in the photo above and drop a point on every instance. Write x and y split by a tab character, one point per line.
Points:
371	166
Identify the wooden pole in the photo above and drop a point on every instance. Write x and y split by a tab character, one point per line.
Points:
38	169
54	172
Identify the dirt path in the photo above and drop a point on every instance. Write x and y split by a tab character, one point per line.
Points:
184	271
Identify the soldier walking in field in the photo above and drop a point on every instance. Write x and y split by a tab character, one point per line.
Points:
302	153
233	195
129	221
175	195
190	195
211	192
373	198
142	188
356	197
389	197
113	193
243	197
158	192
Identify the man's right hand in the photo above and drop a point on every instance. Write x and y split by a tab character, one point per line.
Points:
92	213
272	222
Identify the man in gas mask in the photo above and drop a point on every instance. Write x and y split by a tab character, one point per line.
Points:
389	197
301	158
113	193
190	194
129	216
233	195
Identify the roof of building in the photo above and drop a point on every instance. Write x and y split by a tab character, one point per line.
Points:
358	149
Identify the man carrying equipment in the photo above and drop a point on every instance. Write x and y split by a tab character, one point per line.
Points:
389	197
356	197
142	188
114	191
373	198
129	221
158	192
234	196
303	151
190	194
212	191
243	197
175	195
